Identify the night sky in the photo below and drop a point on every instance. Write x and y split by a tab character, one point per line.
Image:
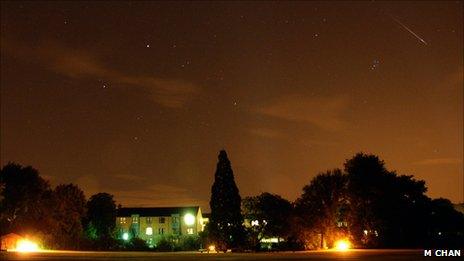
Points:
137	98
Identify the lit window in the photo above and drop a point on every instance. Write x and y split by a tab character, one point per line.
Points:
190	231
135	220
254	223
148	220
149	231
270	240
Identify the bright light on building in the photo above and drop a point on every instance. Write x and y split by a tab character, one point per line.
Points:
149	231
342	245
189	219
125	236
270	240
25	245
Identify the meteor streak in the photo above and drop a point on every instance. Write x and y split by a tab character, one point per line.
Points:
409	30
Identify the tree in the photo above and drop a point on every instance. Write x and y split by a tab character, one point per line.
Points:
388	209
69	210
445	225
321	209
24	194
269	214
364	172
101	216
225	227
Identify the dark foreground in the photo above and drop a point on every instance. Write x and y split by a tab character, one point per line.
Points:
308	255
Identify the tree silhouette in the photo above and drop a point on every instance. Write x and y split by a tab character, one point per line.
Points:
69	210
445	225
225	227
23	207
272	213
388	210
321	209
101	216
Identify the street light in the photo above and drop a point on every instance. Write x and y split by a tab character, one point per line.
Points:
26	245
342	245
189	219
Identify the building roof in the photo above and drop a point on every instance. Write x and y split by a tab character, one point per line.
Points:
157	211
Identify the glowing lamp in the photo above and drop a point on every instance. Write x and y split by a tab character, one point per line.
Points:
25	245
212	248
342	245
125	236
189	219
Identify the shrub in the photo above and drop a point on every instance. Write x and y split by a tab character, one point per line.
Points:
137	244
164	245
189	243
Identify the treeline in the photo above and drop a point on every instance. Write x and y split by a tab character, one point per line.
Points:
62	217
364	202
58	218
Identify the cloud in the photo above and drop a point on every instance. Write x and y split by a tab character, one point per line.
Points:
438	161
323	112
126	177
158	195
171	93
266	133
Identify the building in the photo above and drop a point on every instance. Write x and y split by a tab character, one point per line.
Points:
9	241
206	218
152	224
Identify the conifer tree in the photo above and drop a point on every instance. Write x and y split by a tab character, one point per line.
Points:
226	225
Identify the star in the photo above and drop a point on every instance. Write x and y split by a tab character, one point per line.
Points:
375	64
187	62
148	46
